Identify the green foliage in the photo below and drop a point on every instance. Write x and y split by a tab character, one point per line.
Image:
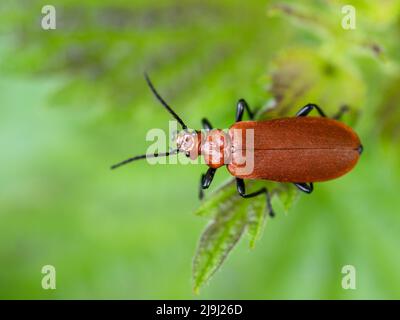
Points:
231	216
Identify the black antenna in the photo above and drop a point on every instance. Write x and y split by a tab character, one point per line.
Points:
169	109
144	156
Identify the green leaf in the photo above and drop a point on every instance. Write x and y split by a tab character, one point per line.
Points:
231	216
215	202
287	197
257	215
218	239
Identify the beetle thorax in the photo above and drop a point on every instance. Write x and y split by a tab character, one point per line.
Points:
216	148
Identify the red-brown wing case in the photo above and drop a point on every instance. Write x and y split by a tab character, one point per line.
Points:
300	149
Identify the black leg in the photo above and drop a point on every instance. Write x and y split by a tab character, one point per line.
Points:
343	109
206	180
242	192
307	188
308	108
206	124
240	107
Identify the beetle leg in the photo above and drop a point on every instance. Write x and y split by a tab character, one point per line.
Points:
307	188
343	109
206	124
206	180
242	192
240	107
308	108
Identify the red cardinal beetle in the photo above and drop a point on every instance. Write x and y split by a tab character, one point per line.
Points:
300	150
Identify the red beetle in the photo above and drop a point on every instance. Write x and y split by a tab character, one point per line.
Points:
300	149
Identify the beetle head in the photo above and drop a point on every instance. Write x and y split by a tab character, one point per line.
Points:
188	142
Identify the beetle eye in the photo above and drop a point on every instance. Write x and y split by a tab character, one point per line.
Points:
187	154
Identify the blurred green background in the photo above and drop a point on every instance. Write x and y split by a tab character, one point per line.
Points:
74	101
